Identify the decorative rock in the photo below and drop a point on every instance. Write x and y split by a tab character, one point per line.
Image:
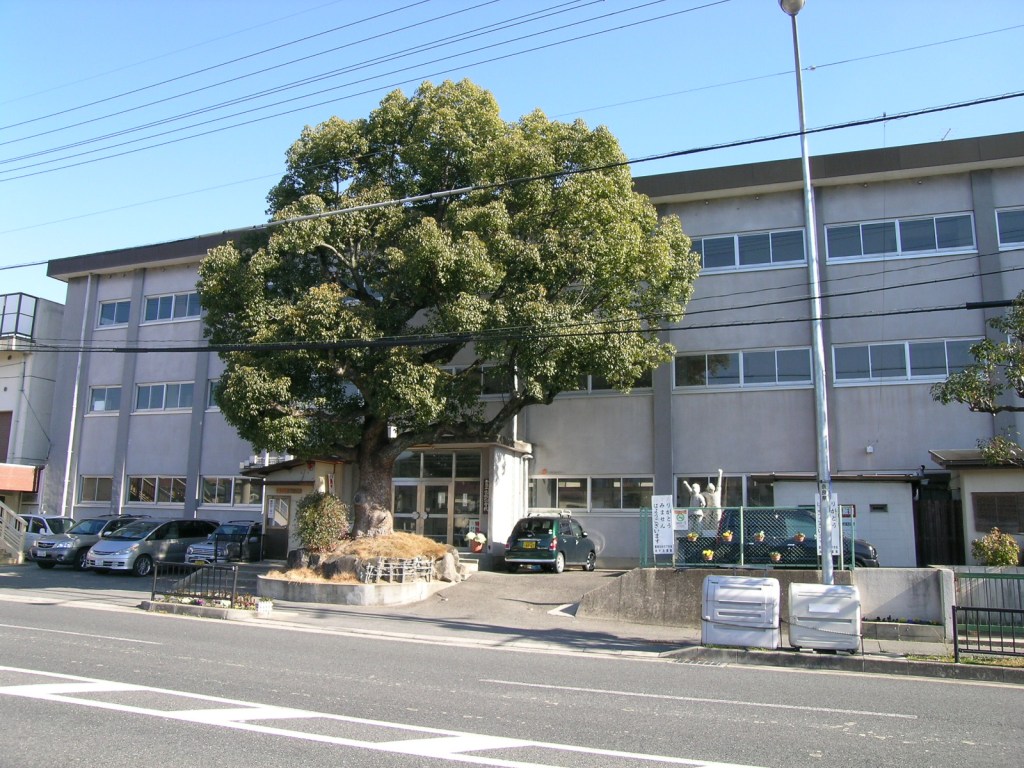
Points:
347	565
447	568
298	558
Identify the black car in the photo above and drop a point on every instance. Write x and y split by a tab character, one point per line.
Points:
784	537
234	540
550	541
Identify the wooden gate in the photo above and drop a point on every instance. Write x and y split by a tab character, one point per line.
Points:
938	528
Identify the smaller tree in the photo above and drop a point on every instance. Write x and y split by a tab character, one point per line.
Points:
322	521
993	383
997	548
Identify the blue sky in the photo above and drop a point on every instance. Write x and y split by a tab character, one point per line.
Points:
663	76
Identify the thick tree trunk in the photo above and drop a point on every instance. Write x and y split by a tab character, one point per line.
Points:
372	500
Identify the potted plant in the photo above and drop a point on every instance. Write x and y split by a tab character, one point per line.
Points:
692	536
799	537
475	540
709	554
726	535
759	537
775	556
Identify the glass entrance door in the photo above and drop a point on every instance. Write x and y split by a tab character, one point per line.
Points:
425	508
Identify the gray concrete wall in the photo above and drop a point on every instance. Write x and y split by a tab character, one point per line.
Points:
674	597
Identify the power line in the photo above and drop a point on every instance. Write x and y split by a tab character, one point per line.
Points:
374	89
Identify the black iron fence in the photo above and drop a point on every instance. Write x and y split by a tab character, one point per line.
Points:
996	631
197	584
988	617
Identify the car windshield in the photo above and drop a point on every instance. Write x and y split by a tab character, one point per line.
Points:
534	527
231	530
134	531
88	527
60	524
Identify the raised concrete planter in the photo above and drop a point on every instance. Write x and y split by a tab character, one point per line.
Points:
347	594
898	630
203	611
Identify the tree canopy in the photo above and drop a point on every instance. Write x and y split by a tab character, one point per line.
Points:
471	254
993	383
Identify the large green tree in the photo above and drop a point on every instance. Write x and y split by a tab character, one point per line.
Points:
361	334
994	383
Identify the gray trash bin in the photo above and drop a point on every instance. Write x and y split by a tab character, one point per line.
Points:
740	611
824	616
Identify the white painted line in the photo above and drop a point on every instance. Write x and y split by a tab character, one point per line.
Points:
454	746
80	634
698	700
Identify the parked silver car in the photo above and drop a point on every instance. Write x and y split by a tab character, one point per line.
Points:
41	525
136	546
71	547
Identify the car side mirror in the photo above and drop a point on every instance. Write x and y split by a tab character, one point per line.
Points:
584	534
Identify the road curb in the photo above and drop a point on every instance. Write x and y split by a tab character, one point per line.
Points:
869	663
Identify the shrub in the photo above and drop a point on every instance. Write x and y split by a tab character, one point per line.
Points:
997	548
322	520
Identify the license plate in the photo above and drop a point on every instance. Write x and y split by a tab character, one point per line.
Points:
529	545
200	562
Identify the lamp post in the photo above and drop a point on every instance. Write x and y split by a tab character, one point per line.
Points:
824	472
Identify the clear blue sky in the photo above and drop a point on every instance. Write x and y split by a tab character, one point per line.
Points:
700	73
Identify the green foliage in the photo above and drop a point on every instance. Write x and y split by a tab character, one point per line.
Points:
322	521
996	548
392	318
994	382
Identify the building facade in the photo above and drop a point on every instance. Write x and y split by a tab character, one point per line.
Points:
909	237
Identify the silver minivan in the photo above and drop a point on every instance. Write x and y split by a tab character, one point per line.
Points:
136	546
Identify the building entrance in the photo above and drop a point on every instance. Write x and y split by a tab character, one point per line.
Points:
442	508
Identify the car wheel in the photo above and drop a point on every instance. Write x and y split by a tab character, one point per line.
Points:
512	567
143	565
45	566
559	564
79	564
591	563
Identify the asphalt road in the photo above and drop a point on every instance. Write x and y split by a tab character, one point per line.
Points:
170	691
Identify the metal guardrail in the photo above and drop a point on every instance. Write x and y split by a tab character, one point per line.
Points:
990	631
199	583
988	588
12	533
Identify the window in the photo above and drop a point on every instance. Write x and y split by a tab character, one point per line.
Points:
231	490
211	393
114	312
1011	228
927	359
94	489
172	307
621	492
748	251
772	367
155	490
104	399
162	397
903	237
1004	511
562	492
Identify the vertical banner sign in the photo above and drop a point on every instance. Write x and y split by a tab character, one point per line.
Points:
837	530
661	525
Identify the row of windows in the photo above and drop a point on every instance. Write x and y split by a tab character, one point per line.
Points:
901	360
918	236
150	397
176	306
233	491
636	492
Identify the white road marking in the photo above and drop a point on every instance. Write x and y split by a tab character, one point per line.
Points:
698	700
456	746
80	634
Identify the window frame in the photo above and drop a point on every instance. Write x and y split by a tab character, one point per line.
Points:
166	390
1009	245
97	482
740	363
908	375
775	242
192	308
876	227
118	305
107	390
164	489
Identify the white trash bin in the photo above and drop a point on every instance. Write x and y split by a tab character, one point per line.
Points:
741	611
824	617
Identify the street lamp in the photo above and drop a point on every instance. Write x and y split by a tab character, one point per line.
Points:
824	472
